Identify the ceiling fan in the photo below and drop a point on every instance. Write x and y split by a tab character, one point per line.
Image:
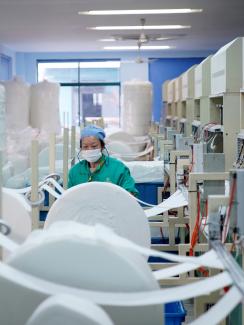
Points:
144	38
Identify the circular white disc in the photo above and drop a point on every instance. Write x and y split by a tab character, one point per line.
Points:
78	257
17	213
104	203
67	309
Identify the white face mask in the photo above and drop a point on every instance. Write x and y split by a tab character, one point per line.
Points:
91	155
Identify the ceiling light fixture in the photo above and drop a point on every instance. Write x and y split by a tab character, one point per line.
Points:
118	38
139	12
107	40
139	27
134	48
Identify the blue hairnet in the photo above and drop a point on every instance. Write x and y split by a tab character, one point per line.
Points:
92	131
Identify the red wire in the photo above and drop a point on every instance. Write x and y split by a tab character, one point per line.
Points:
231	201
195	234
196	227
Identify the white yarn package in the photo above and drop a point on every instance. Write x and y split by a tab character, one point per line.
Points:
136	111
67	309
17	104
44	109
104	203
81	260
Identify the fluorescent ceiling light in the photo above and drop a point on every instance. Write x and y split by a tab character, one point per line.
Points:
59	65
107	40
100	64
145	47
82	64
139	12
139	27
130	40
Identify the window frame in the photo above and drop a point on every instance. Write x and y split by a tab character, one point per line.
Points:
83	84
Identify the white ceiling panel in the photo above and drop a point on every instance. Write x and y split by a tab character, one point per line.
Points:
54	25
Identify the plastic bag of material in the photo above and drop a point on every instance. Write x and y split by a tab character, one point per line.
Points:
44	107
17	104
19	141
146	171
136	113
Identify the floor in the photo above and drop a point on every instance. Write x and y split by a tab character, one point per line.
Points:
188	305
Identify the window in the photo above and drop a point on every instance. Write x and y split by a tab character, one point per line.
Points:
5	67
89	90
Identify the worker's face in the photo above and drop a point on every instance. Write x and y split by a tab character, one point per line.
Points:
90	143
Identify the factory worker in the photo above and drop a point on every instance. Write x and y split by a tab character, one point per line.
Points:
96	166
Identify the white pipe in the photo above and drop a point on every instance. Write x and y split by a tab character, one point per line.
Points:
73	144
52	159
34	183
65	157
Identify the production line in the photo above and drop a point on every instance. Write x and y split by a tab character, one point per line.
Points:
98	228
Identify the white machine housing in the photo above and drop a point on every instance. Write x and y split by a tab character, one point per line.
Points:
171	91
227	68
188	83
165	91
178	89
203	78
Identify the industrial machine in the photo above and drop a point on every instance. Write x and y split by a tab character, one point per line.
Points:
239	163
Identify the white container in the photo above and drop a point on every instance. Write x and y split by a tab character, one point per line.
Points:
227	68
136	111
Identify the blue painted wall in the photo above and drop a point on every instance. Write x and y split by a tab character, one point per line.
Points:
164	69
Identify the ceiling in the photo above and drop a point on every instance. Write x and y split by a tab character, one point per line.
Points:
54	25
